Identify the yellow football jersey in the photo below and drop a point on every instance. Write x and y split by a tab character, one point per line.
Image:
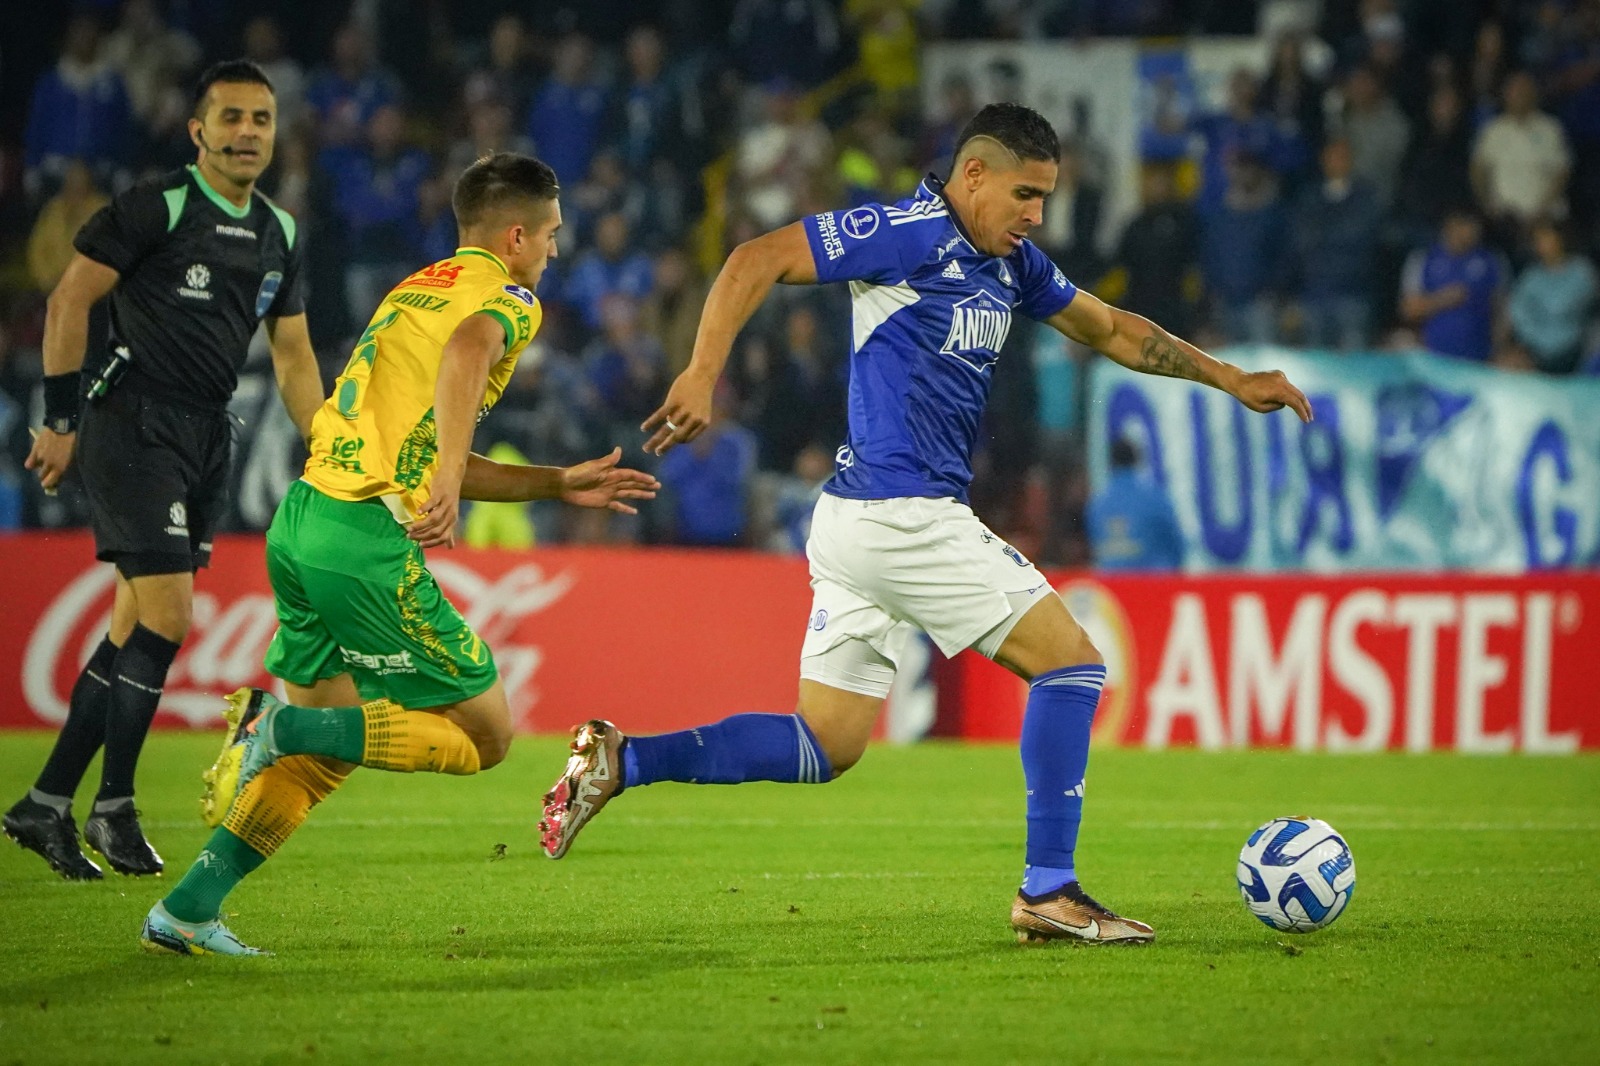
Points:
375	436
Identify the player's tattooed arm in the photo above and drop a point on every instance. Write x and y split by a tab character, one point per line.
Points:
1139	344
1161	353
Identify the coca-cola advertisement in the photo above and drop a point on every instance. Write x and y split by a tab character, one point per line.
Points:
663	639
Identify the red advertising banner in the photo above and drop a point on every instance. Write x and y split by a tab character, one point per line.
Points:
660	639
1451	662
663	639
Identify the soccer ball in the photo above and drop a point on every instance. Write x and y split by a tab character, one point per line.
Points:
1296	874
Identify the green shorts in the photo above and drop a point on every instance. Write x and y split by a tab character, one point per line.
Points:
354	595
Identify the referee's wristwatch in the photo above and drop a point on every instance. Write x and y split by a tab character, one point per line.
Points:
61	426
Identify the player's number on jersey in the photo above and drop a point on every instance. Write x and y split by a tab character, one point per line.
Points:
352	384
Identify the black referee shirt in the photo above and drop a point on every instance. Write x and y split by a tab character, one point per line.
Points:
197	276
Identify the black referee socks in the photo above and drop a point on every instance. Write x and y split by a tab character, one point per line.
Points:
85	728
137	678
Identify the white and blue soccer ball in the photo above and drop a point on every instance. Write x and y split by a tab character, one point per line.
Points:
1296	874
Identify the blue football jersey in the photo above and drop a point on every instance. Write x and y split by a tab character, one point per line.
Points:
930	314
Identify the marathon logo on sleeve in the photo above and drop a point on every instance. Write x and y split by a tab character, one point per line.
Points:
828	229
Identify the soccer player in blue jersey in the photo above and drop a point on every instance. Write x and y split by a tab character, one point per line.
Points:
934	281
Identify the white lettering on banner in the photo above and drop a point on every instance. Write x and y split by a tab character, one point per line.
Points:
50	638
1186	686
1320	647
1538	618
1422	614
1477	670
1254	676
228	638
1359	674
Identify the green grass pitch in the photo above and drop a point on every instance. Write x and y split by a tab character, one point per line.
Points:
864	921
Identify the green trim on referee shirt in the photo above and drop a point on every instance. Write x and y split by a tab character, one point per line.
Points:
487	255
285	219
228	206
176	198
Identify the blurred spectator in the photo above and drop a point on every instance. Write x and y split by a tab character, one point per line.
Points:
50	244
1241	130
1159	251
956	108
1550	303
1132	525
506	79
437	236
1575	94
568	112
348	93
263	46
707	482
1434	177
1292	97
671	313
1453	290
781	156
1071	231
625	365
1520	161
797	40
872	167
802	397
1486	76
79	111
1241	246
500	525
1376	130
155	61
1335	236
489	129
377	197
608	188
613	265
795	499
886	41
644	114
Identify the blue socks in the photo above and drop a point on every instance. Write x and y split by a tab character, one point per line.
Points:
1055	753
746	747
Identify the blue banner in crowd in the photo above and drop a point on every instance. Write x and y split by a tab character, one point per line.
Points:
1414	462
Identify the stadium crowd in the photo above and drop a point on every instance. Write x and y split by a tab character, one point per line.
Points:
1433	180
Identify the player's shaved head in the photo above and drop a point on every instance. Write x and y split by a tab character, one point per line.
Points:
1005	136
502	185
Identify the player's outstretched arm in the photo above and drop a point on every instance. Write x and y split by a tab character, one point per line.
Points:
294	364
744	281
596	483
1139	344
457	395
66	335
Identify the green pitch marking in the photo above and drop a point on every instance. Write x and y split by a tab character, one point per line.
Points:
863	921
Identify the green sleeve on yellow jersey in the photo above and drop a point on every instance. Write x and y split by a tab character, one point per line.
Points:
507	305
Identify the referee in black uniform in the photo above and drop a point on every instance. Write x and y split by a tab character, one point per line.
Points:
192	262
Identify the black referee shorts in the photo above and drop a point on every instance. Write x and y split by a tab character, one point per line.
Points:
156	477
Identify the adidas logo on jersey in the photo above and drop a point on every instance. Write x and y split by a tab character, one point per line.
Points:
954	271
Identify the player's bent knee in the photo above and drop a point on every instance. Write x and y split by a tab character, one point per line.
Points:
492	750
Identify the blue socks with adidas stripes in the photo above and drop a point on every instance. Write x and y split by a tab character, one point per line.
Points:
1055	753
746	747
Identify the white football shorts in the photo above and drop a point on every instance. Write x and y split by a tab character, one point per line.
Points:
880	568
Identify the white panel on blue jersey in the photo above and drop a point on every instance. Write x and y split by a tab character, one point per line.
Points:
871	305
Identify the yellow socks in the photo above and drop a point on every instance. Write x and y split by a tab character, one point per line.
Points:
407	741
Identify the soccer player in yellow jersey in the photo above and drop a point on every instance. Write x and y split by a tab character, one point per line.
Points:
380	669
